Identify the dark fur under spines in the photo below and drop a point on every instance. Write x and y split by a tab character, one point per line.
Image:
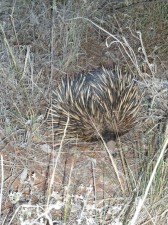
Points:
103	101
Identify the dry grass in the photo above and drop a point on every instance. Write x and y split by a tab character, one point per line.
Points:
47	181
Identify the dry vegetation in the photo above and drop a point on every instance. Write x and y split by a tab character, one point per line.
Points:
47	181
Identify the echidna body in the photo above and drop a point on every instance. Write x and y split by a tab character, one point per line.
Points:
102	102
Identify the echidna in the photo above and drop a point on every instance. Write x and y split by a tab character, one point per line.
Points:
102	102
